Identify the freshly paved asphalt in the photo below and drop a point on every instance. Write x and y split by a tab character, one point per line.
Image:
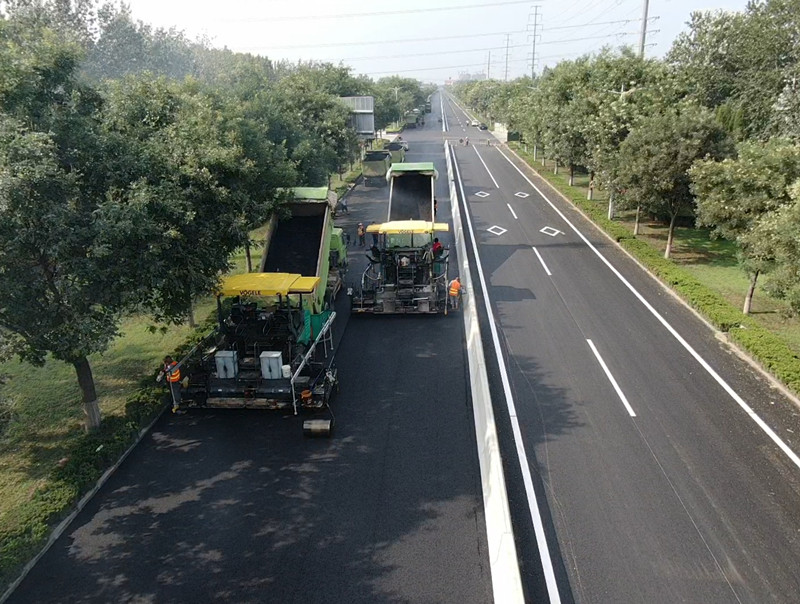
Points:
237	506
688	501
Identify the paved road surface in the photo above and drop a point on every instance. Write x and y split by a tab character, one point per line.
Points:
238	507
673	495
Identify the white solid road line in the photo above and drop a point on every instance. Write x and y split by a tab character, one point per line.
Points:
539	256
501	548
710	370
522	457
611	379
513	213
487	168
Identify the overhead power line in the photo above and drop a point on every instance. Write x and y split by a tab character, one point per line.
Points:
620	34
436	52
470	65
592	24
382	42
377	13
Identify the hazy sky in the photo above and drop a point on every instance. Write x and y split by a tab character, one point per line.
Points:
428	44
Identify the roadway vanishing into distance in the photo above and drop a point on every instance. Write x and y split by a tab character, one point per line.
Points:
655	483
237	506
652	481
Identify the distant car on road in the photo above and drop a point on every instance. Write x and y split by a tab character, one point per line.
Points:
474	123
483	127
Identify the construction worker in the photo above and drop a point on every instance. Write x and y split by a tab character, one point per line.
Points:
173	373
454	290
374	237
361	232
437	248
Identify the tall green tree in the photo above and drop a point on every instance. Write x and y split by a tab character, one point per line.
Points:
656	156
57	295
734	195
54	294
776	235
741	60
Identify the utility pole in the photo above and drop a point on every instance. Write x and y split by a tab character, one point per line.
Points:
508	42
489	66
535	29
644	29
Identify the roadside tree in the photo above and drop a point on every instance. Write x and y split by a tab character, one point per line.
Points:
734	195
657	154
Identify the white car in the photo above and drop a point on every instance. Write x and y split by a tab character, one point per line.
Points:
474	123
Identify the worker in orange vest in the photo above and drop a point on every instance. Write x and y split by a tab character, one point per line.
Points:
454	289
173	373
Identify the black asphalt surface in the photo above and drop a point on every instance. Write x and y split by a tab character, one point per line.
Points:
688	501
237	506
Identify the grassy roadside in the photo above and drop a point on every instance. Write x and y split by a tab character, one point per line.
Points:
46	460
702	271
341	182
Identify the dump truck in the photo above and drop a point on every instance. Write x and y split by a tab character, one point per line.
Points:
406	273
411	118
306	242
375	166
398	151
411	191
268	351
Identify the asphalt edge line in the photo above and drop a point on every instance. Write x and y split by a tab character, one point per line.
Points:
503	562
554	596
62	526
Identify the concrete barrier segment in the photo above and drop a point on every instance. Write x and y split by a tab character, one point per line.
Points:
506	580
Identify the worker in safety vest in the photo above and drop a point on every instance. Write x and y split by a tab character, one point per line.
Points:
454	290
173	373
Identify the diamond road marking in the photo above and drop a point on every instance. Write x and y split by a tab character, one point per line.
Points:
521	194
550	231
482	194
497	230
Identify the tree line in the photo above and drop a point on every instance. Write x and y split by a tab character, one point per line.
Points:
711	132
134	162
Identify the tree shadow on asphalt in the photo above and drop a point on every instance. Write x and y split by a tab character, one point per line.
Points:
238	506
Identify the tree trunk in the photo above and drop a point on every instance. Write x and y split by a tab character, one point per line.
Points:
590	192
190	319
636	222
535	149
571	175
555	170
611	208
748	299
247	256
670	235
88	393
544	158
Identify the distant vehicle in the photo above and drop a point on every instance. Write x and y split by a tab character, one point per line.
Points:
474	123
483	127
374	167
